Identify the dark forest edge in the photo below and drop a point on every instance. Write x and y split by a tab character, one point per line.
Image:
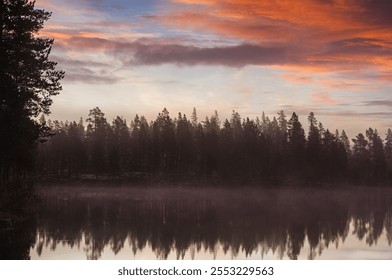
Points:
260	152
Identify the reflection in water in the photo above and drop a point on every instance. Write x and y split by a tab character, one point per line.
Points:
16	241
237	224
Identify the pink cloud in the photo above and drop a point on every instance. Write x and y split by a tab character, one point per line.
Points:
333	35
324	98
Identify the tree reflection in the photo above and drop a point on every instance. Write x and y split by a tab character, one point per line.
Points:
280	222
16	241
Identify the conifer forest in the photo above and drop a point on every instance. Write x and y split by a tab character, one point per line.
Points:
237	151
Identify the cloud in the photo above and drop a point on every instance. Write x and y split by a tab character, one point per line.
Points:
315	35
156	52
335	34
331	15
304	37
324	98
387	103
298	78
233	56
76	63
380	114
88	77
63	7
86	71
160	51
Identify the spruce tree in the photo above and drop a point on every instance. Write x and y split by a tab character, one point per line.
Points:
28	80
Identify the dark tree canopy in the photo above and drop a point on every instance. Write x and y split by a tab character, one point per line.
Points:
236	151
25	66
28	80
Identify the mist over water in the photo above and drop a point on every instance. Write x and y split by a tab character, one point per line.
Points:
192	223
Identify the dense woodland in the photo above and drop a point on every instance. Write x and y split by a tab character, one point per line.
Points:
236	151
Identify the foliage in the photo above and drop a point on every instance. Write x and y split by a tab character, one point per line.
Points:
28	80
241	151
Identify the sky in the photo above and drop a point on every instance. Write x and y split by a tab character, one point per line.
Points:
330	57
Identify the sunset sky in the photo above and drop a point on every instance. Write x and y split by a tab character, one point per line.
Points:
332	57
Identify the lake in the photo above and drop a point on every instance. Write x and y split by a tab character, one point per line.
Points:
204	223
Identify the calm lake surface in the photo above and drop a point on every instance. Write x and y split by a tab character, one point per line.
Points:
202	223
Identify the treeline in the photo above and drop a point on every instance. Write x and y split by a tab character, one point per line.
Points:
239	151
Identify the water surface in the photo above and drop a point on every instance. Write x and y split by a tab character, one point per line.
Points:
202	223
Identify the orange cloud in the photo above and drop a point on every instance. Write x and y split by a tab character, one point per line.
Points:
310	36
333	15
298	79
49	5
324	98
67	35
333	34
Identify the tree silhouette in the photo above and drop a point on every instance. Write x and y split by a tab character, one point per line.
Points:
376	153
184	145
119	146
226	149
28	80
346	142
313	149
211	128
140	145
361	158
240	151
388	155
97	136
164	139
296	144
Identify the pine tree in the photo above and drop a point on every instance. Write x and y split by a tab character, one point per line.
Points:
313	149
376	156
296	134
28	80
296	145
346	142
361	158
184	144
388	155
194	118
97	132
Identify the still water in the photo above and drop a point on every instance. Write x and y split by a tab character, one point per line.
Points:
202	223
